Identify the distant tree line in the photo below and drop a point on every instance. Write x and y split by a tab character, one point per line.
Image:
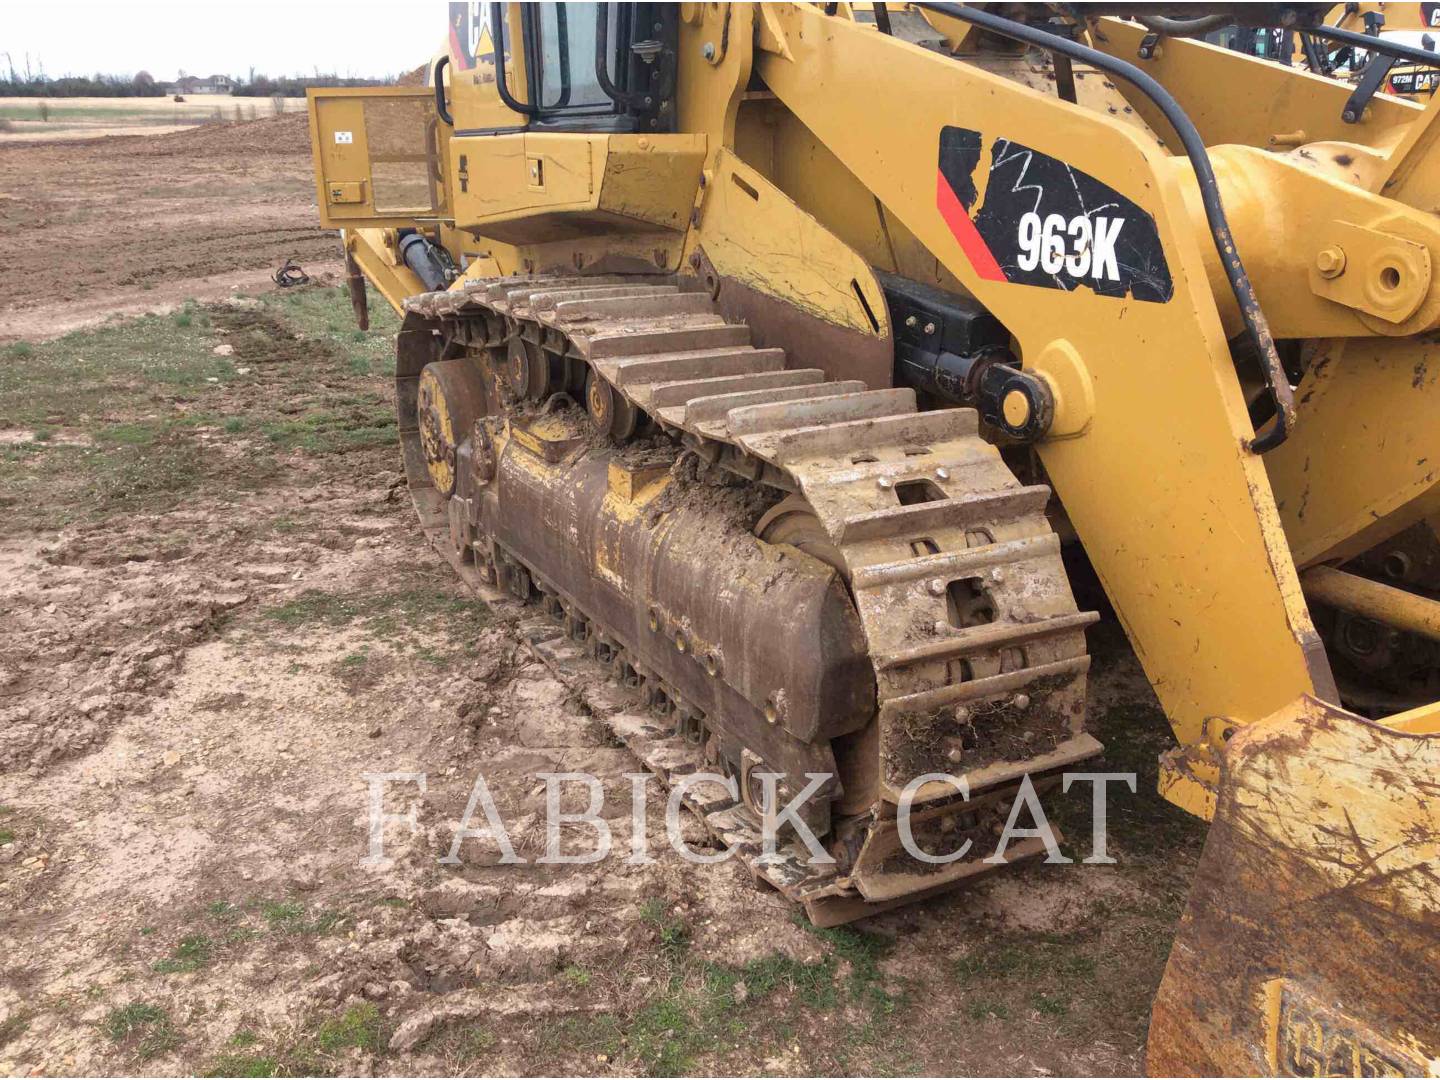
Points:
28	83
294	86
97	85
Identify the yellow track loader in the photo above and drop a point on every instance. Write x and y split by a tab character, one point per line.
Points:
774	349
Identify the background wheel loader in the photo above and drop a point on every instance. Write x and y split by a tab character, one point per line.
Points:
773	350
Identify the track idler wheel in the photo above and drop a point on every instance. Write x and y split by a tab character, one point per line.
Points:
612	413
450	398
527	370
792	521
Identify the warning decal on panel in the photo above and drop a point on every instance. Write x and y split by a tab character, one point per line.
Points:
1043	222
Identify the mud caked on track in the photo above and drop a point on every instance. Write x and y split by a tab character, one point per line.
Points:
219	618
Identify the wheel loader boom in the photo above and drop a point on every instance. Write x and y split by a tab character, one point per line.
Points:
878	278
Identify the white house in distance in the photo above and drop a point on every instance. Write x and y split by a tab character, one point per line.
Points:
194	84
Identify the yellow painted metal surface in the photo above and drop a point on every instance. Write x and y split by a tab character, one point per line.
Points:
1244	100
442	469
1286	214
1411	176
567	185
379	156
753	232
1307	947
372	252
1374	600
1364	460
1163	495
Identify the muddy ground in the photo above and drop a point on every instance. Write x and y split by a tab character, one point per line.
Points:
218	618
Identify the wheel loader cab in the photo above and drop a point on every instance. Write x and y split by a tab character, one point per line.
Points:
586	67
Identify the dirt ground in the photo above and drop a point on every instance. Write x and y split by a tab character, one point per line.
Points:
219	618
90	230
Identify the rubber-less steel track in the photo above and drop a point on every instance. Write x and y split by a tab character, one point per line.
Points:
967	614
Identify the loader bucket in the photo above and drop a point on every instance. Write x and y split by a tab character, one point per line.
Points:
1311	943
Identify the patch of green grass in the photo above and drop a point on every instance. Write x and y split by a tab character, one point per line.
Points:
132	474
282	911
673	934
222	909
195	948
353	661
43	434
193	953
1026	958
13	1026
337	429
431	656
233	1064
124	1020
813	982
463	1043
1050	1004
291	917
134	386
478	1040
576	976
358	1026
7	836
106	370
140	433
325	313
699	1011
1095	981
147	1027
863	952
979	1009
383	614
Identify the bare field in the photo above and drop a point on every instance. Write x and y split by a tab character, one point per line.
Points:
47	119
220	617
141	224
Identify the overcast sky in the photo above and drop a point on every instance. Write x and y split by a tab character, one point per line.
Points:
205	37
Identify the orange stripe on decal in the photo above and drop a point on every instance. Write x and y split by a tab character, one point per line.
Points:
971	242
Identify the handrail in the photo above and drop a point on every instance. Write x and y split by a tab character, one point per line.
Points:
497	31
440	109
623	98
1370	43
